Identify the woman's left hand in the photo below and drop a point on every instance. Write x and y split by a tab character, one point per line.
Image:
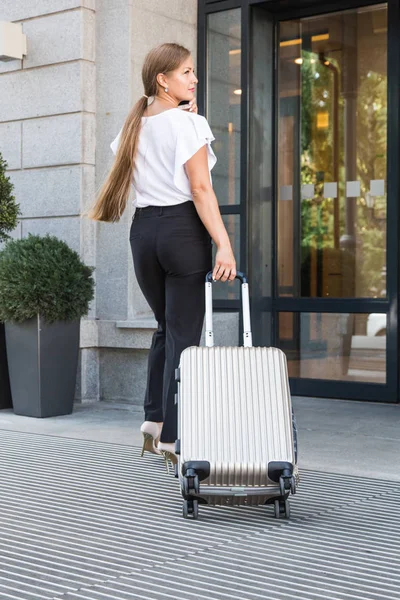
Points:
191	107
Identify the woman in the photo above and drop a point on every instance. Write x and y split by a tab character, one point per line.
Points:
165	151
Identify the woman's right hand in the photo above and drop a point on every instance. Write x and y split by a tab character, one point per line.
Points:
225	264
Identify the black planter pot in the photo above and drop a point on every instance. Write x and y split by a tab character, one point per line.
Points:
5	390
43	362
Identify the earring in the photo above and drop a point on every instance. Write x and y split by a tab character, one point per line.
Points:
166	90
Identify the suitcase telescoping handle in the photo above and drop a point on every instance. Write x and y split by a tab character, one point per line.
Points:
247	338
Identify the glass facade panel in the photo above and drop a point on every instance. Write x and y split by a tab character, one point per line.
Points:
332	102
224	49
231	290
344	347
224	52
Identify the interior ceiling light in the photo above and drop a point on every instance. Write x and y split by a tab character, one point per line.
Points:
238	92
320	38
298	61
322	120
295	42
290	42
236	51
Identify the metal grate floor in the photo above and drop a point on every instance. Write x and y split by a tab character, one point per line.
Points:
93	521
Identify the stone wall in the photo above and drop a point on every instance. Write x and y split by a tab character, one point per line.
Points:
47	117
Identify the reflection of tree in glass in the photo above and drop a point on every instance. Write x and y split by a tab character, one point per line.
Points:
371	129
371	164
316	151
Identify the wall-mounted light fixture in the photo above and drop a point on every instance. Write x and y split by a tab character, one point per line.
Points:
12	41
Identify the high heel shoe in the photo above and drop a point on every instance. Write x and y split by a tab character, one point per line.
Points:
167	450
151	435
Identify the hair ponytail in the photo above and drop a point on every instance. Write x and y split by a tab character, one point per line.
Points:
113	195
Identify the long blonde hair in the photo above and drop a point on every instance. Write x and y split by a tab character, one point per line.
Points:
113	195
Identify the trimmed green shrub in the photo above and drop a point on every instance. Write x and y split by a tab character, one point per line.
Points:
42	275
9	209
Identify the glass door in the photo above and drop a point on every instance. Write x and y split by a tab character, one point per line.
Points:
331	293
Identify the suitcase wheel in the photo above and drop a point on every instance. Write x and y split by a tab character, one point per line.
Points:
287	483
190	508
282	509
190	483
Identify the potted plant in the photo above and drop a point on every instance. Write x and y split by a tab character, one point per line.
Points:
44	290
9	211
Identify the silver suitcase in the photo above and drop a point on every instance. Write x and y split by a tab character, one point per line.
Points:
235	431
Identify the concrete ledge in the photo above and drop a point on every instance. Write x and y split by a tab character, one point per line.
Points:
136	334
137	324
106	334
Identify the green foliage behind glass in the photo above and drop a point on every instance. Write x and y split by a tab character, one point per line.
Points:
9	209
317	165
42	275
373	244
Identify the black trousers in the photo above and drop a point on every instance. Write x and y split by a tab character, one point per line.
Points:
172	254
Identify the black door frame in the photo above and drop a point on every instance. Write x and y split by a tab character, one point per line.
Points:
280	10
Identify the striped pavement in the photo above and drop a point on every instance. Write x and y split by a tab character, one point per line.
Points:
84	520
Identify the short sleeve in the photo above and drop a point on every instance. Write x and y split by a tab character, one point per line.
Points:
192	135
114	145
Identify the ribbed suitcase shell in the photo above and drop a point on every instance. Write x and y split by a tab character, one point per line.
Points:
235	412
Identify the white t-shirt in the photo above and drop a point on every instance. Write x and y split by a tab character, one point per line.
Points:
166	142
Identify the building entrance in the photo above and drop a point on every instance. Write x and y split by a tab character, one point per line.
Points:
303	96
